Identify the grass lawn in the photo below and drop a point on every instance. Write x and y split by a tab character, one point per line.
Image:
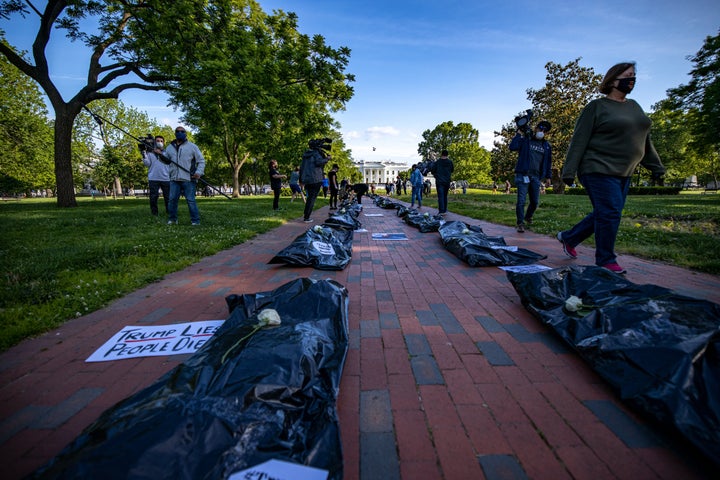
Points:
58	264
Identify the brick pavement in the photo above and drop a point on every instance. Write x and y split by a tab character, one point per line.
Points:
447	375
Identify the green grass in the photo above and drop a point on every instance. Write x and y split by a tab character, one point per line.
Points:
58	264
683	230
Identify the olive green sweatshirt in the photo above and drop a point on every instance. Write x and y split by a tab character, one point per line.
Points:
611	138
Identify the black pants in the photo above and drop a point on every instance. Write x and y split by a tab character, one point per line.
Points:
276	198
312	189
154	188
333	197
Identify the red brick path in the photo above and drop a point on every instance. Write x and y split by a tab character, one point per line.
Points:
447	375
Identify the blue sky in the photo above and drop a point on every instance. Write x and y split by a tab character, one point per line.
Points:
420	63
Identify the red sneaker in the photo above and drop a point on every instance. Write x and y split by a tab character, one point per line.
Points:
569	251
614	267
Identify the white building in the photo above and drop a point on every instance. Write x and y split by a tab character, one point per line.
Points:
380	172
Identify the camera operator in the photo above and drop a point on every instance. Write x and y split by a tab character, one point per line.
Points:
158	176
187	165
533	166
311	172
442	170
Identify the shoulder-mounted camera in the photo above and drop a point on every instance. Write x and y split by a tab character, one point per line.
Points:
522	122
321	144
147	144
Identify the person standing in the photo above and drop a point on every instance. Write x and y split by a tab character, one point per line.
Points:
333	186
442	171
325	185
416	186
311	176
187	165
276	179
532	168
611	138
295	189
158	177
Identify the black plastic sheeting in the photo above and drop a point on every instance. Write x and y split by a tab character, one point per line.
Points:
345	217
321	247
472	246
386	203
273	398
659	350
423	221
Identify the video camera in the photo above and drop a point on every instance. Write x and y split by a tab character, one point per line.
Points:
324	144
425	166
522	122
147	144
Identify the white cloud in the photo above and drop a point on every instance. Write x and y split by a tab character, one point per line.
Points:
378	132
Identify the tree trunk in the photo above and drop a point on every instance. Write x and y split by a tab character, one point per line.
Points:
65	186
236	180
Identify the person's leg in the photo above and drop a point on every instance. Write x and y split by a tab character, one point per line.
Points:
442	196
165	187
313	189
607	194
534	195
153	193
189	190
522	191
173	201
276	198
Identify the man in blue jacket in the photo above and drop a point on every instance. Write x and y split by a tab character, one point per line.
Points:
533	167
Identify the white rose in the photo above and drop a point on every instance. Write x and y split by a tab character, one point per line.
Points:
466	231
573	304
318	229
269	317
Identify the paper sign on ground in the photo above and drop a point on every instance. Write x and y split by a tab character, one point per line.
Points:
280	470
157	340
525	268
389	236
373	214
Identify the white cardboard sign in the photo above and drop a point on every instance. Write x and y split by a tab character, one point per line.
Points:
158	340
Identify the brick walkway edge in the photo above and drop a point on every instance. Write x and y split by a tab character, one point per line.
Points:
447	375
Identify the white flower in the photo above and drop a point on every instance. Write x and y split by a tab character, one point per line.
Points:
426	214
573	304
466	231
269	317
342	210
318	229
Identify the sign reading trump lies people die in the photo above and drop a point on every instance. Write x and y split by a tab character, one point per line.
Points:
158	340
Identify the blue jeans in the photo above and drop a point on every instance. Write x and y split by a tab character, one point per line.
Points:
607	195
442	193
523	189
187	189
416	194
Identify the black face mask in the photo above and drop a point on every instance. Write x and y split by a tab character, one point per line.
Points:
624	84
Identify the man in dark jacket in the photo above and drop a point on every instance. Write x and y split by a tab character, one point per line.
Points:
532	168
442	171
311	175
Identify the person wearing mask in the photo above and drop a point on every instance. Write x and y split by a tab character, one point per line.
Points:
416	186
187	165
311	176
611	138
158	177
333	186
442	171
533	167
276	179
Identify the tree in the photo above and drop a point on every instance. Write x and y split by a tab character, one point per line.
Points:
116	47
108	144
472	162
25	134
568	88
272	88
700	99
673	140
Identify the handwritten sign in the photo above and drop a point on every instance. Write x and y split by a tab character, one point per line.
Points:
280	470
158	340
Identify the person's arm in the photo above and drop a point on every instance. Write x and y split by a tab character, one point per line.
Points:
579	142
516	142
199	163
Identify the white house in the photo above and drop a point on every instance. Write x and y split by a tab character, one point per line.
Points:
380	172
